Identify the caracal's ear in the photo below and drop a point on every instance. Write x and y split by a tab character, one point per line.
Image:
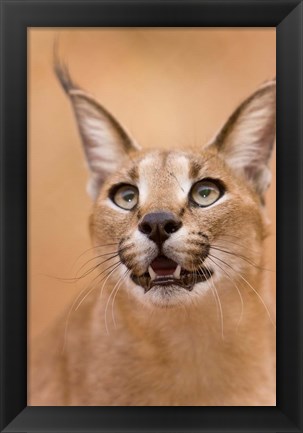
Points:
105	141
246	140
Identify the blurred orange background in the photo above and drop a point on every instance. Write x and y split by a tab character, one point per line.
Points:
167	86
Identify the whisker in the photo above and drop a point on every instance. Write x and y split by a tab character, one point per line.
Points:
95	266
95	286
241	245
114	269
231	236
93	248
195	274
210	287
107	303
125	276
238	290
104	270
68	317
219	301
254	290
220	307
112	254
240	256
74	279
89	290
85	296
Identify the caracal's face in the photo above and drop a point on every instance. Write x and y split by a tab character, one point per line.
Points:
173	225
181	224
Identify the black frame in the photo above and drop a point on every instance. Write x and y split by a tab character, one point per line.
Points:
16	16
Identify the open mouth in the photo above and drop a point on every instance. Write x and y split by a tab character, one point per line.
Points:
166	272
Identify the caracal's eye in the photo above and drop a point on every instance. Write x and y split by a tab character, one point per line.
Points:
205	193
126	196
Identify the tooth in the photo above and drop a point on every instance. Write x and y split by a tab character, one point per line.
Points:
152	273
177	272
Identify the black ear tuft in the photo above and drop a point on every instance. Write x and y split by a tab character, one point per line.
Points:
62	72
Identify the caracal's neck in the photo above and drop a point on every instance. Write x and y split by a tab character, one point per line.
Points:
215	317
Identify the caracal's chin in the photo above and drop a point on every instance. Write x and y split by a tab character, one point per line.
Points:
168	296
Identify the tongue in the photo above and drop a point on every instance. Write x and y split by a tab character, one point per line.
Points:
163	266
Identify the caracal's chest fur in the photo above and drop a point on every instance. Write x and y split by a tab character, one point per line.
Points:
183	359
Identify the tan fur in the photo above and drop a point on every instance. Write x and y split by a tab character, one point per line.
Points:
211	346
